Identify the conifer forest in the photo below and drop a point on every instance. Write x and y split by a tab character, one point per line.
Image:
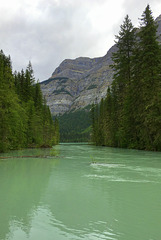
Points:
25	118
130	115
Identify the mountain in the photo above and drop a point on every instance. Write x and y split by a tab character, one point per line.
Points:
78	83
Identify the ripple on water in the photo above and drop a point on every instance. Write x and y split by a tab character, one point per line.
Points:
113	178
107	165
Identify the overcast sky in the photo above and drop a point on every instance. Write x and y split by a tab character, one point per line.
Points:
46	32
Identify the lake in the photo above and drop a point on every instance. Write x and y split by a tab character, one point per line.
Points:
79	191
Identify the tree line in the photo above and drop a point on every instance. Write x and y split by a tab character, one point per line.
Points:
75	125
25	118
130	115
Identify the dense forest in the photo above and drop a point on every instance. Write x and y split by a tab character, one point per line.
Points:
130	115
25	119
75	126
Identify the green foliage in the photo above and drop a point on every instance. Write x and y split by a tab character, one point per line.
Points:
56	132
75	126
63	91
62	79
130	116
92	87
25	119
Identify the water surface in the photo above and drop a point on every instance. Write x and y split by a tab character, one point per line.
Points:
78	191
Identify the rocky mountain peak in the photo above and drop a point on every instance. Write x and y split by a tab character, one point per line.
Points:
158	19
74	69
79	82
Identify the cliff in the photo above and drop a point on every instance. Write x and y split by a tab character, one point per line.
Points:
77	83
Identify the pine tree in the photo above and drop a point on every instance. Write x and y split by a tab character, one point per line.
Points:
24	118
122	58
38	98
147	70
122	81
130	116
108	119
12	115
56	132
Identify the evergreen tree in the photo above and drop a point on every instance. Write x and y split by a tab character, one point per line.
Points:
96	134
147	70
38	98
92	115
56	132
25	119
130	116
109	120
12	115
122	81
29	81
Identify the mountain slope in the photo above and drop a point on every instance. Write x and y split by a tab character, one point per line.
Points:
78	83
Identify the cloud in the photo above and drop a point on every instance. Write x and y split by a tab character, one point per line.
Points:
135	9
48	31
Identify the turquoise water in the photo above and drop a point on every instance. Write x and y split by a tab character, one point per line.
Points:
78	191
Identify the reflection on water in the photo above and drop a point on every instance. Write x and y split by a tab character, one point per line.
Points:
22	183
77	191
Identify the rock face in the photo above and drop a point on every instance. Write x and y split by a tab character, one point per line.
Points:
158	21
80	82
